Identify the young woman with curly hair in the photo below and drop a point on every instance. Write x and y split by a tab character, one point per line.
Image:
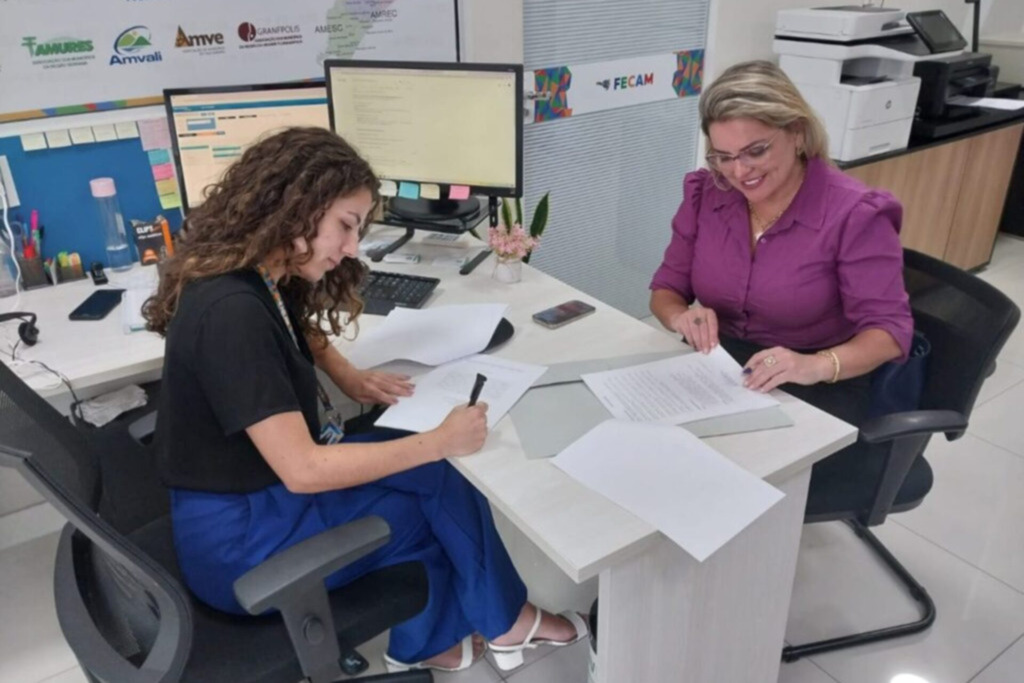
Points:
267	267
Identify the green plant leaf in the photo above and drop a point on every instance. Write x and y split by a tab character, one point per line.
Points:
506	214
519	211
540	217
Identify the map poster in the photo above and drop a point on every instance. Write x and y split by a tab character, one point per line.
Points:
72	57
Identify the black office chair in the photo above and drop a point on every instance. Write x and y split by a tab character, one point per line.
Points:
967	322
122	606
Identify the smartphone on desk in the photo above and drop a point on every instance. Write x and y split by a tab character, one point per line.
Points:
97	305
563	314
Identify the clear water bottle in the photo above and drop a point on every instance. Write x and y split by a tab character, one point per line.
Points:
8	286
119	253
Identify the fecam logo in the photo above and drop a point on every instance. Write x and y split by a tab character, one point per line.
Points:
637	81
134	46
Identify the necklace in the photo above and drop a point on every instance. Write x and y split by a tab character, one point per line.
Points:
760	226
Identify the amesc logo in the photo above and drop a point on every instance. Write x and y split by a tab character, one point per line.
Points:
134	46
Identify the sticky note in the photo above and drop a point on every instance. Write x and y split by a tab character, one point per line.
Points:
168	186
104	133
163	171
409	190
159	156
82	136
155	134
58	138
33	141
458	192
430	191
126	130
170	201
388	188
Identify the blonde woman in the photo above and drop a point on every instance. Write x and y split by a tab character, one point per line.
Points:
797	267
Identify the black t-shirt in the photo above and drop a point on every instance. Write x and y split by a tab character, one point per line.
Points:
230	362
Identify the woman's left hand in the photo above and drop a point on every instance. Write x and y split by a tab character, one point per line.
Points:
370	386
771	367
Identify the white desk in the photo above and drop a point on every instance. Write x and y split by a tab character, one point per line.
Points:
663	617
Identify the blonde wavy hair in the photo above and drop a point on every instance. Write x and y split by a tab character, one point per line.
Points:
762	91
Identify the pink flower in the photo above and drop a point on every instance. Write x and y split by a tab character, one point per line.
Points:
512	242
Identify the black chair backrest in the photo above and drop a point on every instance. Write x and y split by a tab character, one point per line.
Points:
967	321
142	612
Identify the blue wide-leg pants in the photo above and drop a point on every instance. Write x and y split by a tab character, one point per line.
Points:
436	517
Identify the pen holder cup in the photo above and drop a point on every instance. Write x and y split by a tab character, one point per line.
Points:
32	273
70	273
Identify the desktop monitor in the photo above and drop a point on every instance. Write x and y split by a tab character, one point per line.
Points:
425	124
211	127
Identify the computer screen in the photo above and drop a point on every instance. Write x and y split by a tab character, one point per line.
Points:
937	31
433	123
211	127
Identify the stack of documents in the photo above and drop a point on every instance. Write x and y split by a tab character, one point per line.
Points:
431	336
670	479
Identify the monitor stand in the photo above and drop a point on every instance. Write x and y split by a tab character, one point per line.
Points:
440	215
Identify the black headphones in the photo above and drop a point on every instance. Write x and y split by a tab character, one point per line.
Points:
27	330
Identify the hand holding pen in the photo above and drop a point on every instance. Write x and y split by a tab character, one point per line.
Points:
465	429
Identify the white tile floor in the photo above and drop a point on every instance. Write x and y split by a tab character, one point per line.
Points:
964	544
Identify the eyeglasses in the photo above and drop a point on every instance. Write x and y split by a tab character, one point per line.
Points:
752	156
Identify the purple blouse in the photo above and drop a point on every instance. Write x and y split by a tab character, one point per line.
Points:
830	267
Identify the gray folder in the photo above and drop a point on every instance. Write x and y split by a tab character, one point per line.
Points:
559	408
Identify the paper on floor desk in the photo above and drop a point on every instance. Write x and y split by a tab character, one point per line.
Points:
430	336
677	390
670	479
445	387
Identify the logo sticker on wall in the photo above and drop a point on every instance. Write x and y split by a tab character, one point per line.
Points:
58	53
199	43
134	46
268	36
565	91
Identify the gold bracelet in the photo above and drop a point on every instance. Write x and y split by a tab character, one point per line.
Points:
834	359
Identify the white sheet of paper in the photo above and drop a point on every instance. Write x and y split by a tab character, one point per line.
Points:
677	390
431	336
670	479
443	388
989	102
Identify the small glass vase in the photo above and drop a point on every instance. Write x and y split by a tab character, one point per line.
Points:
508	269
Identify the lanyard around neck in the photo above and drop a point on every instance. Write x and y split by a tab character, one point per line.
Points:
275	294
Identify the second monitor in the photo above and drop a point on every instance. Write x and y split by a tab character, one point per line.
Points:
434	133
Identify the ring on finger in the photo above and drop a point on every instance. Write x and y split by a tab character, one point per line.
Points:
769	361
698	321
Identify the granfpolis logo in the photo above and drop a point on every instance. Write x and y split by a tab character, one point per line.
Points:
267	36
134	46
58	53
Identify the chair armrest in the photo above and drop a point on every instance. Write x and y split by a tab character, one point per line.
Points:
143	428
913	423
306	564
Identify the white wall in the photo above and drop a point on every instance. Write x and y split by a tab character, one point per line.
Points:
739	30
491	30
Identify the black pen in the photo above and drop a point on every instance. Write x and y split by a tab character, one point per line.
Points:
478	386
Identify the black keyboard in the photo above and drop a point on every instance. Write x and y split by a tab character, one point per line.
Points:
383	291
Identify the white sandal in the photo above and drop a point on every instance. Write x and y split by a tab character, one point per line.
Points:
509	657
394	666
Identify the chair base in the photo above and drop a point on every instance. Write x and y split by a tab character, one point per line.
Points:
794	652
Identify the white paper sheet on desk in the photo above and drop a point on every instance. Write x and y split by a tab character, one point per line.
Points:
987	102
677	390
670	479
443	388
431	336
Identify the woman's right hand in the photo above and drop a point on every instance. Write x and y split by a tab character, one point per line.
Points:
463	431
699	327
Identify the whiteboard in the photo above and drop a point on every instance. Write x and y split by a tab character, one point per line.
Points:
71	57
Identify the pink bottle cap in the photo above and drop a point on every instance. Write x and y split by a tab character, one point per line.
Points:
102	187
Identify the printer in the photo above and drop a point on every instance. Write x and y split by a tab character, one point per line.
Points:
970	74
855	65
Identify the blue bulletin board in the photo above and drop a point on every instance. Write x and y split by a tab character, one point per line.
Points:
56	182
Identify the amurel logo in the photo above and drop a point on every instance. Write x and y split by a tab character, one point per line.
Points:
134	46
626	82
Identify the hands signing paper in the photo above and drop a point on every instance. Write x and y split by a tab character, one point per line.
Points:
699	327
769	368
370	386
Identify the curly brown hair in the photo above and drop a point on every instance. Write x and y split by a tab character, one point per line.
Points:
276	192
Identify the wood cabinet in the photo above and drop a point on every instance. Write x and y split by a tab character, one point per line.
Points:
952	193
